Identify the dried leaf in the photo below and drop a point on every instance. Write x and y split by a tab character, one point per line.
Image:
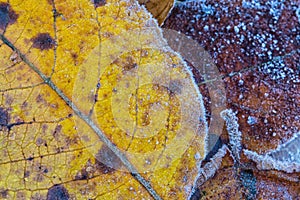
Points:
159	9
258	58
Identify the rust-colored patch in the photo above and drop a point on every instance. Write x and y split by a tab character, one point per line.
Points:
58	192
51	2
7	15
4	118
99	3
43	41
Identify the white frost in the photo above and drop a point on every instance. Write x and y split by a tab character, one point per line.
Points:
285	158
235	136
209	169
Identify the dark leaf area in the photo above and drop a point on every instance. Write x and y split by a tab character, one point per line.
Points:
7	15
256	47
58	192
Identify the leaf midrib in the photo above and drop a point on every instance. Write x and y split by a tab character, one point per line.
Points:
86	119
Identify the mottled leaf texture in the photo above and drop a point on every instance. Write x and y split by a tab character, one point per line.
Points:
94	104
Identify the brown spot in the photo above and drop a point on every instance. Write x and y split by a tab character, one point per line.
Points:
106	161
43	41
129	64
74	55
51	2
7	15
4	118
98	3
58	192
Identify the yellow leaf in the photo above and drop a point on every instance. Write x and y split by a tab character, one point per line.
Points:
94	104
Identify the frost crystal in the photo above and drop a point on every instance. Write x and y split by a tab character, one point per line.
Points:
274	7
277	70
251	120
286	157
235	136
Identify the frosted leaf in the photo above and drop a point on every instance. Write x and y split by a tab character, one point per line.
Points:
235	136
286	157
210	168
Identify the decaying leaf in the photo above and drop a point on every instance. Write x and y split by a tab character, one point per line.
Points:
258	58
94	104
285	157
159	9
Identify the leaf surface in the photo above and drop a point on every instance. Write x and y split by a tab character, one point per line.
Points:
159	9
94	104
258	60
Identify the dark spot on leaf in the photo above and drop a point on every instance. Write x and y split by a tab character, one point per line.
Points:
30	158
107	161
83	175
129	64
3	193
57	192
7	15
43	41
57	131
26	174
98	3
4	118
74	55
